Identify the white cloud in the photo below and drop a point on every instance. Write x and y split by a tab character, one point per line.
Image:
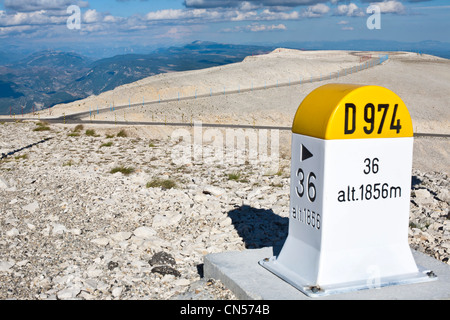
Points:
391	6
350	10
262	27
29	18
38	12
94	27
52	14
319	8
111	19
37	5
200	15
254	3
167	14
256	27
51	21
271	15
92	16
182	14
315	11
242	16
247	6
16	30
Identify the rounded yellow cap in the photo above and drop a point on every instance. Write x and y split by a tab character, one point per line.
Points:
349	111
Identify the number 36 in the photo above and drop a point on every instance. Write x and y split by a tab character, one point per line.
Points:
311	188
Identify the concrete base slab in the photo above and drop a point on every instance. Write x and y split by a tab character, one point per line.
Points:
240	272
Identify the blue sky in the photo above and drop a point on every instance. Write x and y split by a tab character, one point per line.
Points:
155	23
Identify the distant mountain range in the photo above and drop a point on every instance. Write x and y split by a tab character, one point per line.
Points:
46	78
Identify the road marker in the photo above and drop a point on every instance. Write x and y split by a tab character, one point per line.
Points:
350	193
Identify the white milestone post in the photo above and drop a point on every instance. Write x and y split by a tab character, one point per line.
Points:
350	192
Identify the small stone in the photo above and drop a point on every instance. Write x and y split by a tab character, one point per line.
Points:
12	233
112	265
160	220
116	292
144	232
68	293
444	195
32	207
254	194
162	258
101	241
121	236
58	229
200	198
94	273
212	190
166	270
225	222
423	197
3	184
5	266
46	231
75	231
422	193
182	282
22	263
90	284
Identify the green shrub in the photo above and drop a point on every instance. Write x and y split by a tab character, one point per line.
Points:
23	156
90	132
107	144
123	170
122	133
234	176
68	163
41	127
165	184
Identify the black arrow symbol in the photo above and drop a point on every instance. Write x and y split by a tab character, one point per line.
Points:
306	154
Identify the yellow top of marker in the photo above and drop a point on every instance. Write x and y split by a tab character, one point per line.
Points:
349	111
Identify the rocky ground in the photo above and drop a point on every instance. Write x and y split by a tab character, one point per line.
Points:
71	227
429	230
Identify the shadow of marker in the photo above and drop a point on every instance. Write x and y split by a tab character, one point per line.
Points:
260	228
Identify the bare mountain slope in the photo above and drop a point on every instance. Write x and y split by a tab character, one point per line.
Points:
422	81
